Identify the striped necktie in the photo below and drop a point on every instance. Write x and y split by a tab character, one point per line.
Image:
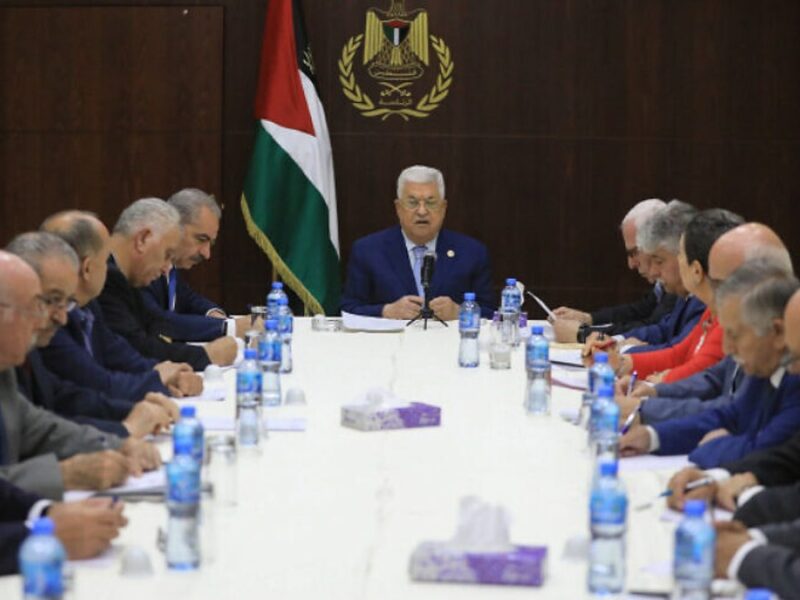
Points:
419	253
172	285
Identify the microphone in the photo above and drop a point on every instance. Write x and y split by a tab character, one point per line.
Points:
426	272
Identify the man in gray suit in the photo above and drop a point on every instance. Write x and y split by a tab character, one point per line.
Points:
39	451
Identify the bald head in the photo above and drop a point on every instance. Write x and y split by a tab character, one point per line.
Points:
90	239
21	311
747	241
792	335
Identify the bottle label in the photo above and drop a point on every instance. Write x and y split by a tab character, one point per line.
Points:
183	479
537	355
42	580
285	324
608	508
469	320
269	351
248	382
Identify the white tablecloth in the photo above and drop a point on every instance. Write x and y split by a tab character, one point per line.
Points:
335	513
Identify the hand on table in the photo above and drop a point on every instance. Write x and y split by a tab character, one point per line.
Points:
635	442
245	324
86	528
730	537
166	403
168	371
571	314
186	383
627	405
728	491
95	470
444	308
142	456
146	418
222	351
406	307
678	484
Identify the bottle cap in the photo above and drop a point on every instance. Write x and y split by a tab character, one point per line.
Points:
605	391
537	330
271	325
608	469
188	411
511	281
469	296
43	526
283	301
694	508
249	353
601	357
277	285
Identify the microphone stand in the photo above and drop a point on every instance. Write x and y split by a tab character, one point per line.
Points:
426	312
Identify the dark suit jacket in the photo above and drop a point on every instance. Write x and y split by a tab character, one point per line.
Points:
672	328
712	388
127	315
114	368
774	566
14	507
73	402
775	466
649	309
188	322
772	505
380	272
759	417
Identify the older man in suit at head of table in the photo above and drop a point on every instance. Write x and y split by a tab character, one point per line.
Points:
385	270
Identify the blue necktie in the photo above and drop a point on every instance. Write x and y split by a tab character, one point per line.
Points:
419	252
172	278
86	320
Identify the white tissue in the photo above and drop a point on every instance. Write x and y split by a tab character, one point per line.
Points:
482	527
380	397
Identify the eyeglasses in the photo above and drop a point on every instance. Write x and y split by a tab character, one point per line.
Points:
59	303
431	204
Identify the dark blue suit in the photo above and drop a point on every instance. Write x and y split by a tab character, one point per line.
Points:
380	272
15	505
188	321
80	404
115	367
708	389
759	417
671	329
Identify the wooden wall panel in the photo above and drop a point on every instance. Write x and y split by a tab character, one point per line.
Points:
563	113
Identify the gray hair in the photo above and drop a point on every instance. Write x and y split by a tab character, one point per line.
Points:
642	211
420	174
764	288
777	256
147	212
664	228
36	246
189	201
81	232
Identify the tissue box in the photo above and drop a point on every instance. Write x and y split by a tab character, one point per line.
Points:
437	561
375	418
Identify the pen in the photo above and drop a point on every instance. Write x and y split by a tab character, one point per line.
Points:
629	421
692	485
632	383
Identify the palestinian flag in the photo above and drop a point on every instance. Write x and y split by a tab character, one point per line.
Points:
289	198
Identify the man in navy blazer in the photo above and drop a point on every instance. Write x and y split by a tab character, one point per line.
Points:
86	351
384	274
189	316
766	408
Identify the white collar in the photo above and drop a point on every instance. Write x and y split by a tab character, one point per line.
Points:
776	378
431	245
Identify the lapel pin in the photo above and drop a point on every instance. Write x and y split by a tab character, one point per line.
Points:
450	254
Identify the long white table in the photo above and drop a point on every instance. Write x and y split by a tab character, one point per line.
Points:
335	513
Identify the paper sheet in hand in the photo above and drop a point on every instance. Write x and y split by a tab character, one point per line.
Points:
576	379
211	393
358	323
544	306
153	480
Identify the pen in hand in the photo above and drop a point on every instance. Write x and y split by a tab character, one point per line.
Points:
692	485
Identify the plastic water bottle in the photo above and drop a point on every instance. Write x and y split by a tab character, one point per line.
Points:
537	364
188	435
285	328
608	510
695	540
510	303
41	563
469	326
601	373
269	356
248	400
602	379
758	594
183	504
275	294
